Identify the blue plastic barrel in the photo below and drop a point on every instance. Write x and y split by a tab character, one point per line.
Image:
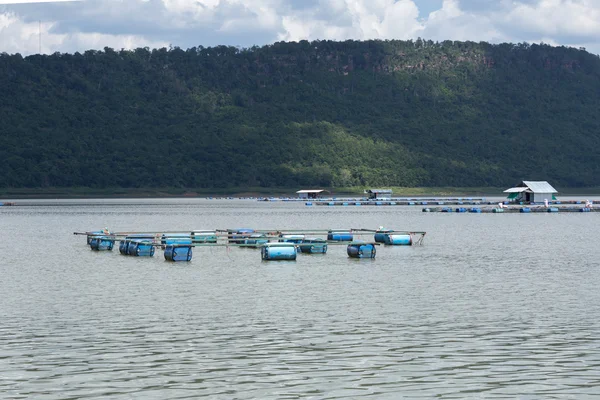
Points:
308	203
313	246
340	235
461	210
100	243
553	209
92	235
475	210
361	250
398	240
140	248
525	210
278	251
380	235
175	252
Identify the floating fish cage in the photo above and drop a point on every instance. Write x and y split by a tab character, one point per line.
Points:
100	243
239	235
278	251
398	239
175	252
203	236
340	235
362	250
291	238
313	246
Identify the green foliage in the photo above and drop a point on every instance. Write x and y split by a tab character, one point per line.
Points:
322	113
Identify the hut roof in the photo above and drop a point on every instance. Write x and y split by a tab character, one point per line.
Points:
532	187
311	191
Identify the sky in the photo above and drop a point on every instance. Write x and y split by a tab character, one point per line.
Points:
71	26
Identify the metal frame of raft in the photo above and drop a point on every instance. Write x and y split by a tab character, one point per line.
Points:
274	244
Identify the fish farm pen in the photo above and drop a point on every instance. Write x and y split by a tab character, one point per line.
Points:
273	244
509	210
430	202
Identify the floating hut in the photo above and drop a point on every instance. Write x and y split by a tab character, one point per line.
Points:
375	194
306	194
531	192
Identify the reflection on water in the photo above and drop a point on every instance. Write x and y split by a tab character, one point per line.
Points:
492	306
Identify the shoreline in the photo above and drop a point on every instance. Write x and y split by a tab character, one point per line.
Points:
88	193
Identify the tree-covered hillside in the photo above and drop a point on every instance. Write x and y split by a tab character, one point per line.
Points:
392	113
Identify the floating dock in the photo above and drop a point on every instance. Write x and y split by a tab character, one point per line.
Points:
434	202
509	210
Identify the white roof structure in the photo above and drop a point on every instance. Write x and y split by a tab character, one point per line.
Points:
532	187
378	191
310	191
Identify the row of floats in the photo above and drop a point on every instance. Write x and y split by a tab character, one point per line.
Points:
273	244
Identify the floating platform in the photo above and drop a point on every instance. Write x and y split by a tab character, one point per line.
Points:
274	244
436	202
509	210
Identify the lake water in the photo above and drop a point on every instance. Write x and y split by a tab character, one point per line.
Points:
491	306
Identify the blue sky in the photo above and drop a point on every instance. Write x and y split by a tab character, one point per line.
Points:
93	24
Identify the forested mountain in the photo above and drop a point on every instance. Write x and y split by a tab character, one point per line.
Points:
323	113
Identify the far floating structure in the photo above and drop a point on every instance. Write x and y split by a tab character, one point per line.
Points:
375	194
310	193
531	192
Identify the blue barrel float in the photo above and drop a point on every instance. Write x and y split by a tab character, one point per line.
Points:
313	246
92	235
178	246
204	236
398	239
361	250
239	235
140	248
380	234
340	235
100	243
278	251
129	241
176	252
291	238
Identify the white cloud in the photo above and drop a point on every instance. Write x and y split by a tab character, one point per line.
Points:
34	1
557	17
23	37
354	19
